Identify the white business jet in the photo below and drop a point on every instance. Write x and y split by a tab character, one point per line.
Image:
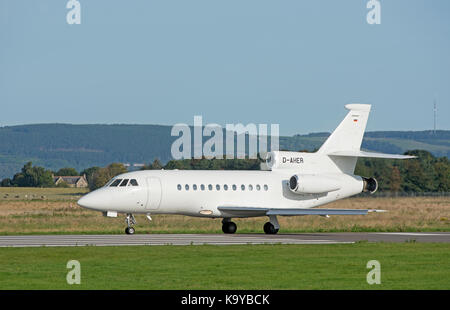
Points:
291	184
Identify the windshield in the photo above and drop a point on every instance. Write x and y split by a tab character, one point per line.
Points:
109	182
116	182
122	183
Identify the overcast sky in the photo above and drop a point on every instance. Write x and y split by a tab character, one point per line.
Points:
295	63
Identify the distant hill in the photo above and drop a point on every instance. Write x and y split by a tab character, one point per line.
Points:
382	141
81	146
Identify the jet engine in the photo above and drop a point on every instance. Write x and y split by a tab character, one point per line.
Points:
370	185
312	184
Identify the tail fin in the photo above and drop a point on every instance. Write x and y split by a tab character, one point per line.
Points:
349	134
347	137
343	146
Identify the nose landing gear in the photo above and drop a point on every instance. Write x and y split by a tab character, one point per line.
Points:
130	220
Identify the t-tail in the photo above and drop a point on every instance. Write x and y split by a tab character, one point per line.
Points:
343	146
338	154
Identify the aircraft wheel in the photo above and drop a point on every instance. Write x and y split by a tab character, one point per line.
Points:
270	229
129	230
229	227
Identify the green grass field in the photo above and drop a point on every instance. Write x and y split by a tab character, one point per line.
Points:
340	266
343	266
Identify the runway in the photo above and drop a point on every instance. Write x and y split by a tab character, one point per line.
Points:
215	239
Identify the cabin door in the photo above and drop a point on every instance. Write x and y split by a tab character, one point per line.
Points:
154	193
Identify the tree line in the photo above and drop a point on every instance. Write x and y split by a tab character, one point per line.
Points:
80	146
35	176
426	173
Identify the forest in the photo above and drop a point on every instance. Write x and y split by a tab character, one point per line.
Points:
82	146
426	173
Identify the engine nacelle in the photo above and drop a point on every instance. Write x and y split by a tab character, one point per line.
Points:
370	185
312	184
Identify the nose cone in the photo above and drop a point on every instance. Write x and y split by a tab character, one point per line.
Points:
91	201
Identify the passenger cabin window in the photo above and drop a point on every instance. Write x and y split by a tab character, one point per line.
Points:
116	182
133	182
124	182
202	187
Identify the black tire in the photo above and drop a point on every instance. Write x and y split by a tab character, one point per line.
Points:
129	230
270	229
229	227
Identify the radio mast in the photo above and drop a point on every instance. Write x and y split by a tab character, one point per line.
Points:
435	115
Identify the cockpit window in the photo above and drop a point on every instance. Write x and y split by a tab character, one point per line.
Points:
116	182
124	182
108	183
133	182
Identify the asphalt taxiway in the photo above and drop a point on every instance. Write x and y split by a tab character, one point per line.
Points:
216	239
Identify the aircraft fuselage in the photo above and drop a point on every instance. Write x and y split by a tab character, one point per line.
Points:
201	192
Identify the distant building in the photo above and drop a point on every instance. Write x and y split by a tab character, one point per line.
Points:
72	181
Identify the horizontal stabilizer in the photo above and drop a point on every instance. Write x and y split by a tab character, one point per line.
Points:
369	154
252	211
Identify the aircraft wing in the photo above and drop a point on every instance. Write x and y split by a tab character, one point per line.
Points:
243	211
252	211
370	154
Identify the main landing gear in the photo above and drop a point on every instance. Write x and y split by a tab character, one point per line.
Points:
130	220
270	228
228	226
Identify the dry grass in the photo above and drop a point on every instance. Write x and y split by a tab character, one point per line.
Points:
61	214
35	193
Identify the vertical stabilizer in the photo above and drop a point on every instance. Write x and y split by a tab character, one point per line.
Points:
347	137
349	134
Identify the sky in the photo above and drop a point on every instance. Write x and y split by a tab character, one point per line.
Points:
295	63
